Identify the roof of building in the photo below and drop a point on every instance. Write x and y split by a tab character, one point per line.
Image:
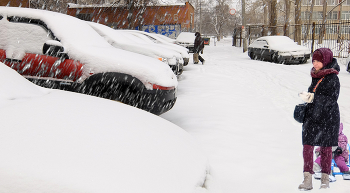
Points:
105	5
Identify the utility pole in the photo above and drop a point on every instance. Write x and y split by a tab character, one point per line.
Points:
243	27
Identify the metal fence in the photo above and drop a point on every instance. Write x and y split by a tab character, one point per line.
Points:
333	35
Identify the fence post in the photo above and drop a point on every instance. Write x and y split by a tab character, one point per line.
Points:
234	37
249	35
263	30
285	30
240	38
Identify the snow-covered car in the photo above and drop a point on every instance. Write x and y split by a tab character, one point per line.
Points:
166	38
164	43
278	49
59	51
186	39
122	40
147	42
56	141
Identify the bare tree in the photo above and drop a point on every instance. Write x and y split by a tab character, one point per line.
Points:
220	15
287	17
273	17
297	35
266	18
324	18
309	20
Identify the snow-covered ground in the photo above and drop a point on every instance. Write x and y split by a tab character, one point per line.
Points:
57	141
241	113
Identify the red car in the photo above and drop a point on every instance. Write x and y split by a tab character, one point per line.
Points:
55	50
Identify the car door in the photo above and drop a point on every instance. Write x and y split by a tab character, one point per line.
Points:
21	48
265	51
259	49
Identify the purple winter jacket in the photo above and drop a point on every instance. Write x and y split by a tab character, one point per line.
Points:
343	142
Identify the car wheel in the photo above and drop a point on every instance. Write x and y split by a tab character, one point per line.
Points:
348	67
186	61
275	59
303	61
252	55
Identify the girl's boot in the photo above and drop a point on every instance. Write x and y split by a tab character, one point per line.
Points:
307	183
324	181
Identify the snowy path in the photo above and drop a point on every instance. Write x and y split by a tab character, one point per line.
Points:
240	111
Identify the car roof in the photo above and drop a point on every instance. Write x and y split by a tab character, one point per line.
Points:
187	37
276	39
135	43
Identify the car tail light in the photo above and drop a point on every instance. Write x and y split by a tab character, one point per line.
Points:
162	87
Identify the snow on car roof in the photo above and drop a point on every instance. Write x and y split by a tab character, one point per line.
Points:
83	43
123	40
187	37
275	40
163	42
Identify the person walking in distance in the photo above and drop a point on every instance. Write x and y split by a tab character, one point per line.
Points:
322	116
198	47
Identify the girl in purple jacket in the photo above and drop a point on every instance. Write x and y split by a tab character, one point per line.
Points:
341	154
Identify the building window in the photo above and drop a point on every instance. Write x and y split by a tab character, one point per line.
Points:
317	15
345	15
84	16
305	15
333	15
320	2
331	2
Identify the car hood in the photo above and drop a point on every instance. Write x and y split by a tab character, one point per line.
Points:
290	48
84	44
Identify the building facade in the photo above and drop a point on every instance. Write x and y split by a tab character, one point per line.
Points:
335	14
339	13
15	3
167	20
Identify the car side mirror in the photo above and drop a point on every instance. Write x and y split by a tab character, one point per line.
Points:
266	46
54	48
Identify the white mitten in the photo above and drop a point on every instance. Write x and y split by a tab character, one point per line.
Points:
307	96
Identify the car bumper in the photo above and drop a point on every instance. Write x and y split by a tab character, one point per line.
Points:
128	90
295	58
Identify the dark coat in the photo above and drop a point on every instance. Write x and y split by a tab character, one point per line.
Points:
322	118
198	43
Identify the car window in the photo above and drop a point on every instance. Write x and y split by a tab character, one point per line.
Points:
25	37
153	39
263	42
260	43
1	17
